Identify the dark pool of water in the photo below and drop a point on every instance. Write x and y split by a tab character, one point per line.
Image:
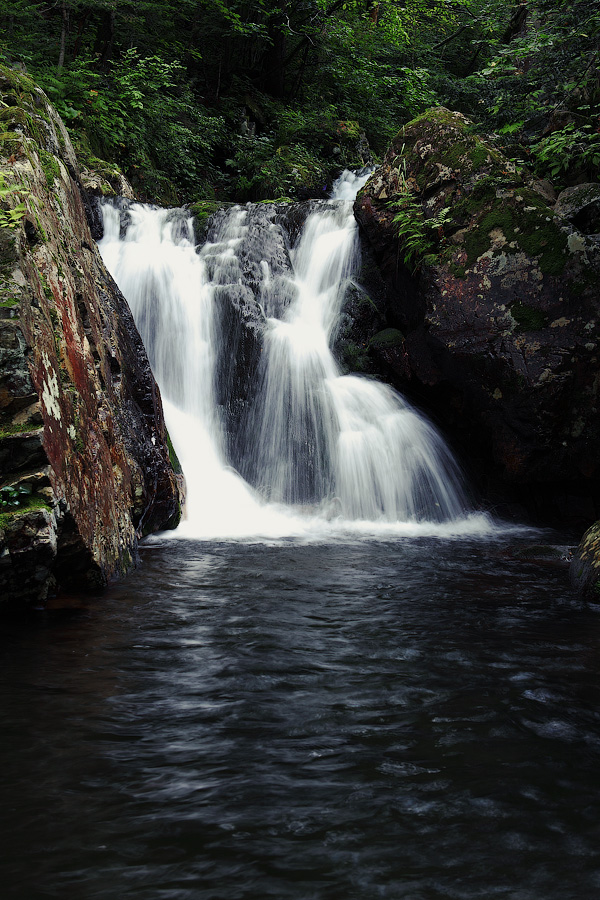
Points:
417	720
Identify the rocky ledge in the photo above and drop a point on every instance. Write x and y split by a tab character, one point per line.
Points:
84	458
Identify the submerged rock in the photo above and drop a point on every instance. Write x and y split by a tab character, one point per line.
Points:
83	447
496	293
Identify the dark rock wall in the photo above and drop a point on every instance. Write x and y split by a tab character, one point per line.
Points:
81	423
500	314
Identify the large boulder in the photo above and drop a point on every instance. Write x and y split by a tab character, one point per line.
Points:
584	570
85	467
497	297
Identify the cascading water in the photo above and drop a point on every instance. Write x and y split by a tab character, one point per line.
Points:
319	451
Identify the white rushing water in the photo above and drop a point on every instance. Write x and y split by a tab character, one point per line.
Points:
324	454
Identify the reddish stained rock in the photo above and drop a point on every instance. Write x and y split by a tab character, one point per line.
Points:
77	397
500	311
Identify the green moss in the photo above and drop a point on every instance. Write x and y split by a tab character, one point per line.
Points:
41	229
528	318
125	562
173	457
204	209
547	242
528	231
9	78
9	303
479	155
389	337
8	430
50	166
29	504
48	294
15	116
439	114
24	115
11	142
355	357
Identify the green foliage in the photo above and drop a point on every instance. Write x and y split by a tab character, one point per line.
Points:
14	495
566	149
10	218
165	88
143	117
261	169
419	236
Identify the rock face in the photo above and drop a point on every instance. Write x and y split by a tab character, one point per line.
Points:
83	446
584	570
496	294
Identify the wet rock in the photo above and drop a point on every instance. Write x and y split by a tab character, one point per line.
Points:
292	217
80	414
28	550
359	321
499	307
585	565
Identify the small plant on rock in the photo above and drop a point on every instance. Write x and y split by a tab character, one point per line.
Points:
10	218
419	236
14	495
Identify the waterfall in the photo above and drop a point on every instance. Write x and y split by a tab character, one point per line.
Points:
273	440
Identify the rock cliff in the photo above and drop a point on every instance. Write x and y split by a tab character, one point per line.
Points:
84	461
495	292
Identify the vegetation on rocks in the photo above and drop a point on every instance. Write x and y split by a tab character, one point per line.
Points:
84	460
494	285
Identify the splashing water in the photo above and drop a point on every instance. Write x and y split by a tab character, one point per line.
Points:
320	453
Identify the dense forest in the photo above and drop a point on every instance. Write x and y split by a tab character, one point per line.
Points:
232	100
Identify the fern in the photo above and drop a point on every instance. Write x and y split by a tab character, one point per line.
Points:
419	236
10	218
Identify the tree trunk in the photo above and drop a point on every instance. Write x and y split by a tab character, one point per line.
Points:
517	24
108	32
273	77
83	20
63	34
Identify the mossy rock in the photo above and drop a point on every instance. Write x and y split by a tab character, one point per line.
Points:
354	357
31	503
386	339
173	456
528	318
50	165
438	162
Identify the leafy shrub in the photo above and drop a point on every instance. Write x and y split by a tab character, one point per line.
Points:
569	148
144	117
263	170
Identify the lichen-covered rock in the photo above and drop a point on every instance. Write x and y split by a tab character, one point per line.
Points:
106	181
580	205
99	182
498	299
585	565
83	447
